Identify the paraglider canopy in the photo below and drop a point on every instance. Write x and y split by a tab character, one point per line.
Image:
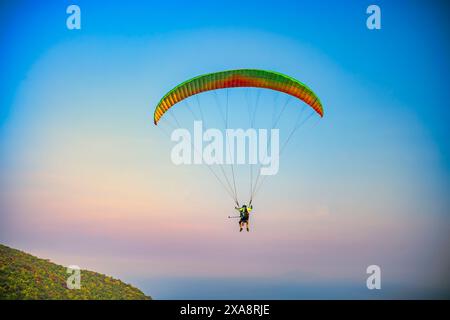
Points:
234	79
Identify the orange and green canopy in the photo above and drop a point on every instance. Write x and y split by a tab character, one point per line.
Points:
234	79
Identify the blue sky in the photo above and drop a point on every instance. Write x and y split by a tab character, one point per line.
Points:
368	184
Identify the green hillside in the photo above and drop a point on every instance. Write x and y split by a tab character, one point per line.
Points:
23	276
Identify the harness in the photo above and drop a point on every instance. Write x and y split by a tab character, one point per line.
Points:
244	214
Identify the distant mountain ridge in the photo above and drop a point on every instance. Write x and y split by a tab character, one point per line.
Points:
23	276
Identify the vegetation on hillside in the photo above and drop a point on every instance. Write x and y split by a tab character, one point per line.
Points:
23	276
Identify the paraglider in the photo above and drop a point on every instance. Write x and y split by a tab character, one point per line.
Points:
241	78
244	215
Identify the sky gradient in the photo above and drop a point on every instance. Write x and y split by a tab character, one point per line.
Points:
86	177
